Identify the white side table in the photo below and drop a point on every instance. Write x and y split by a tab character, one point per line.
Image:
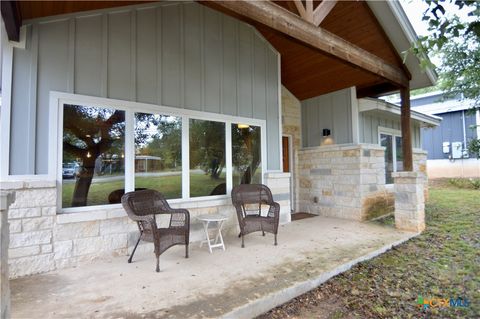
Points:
218	240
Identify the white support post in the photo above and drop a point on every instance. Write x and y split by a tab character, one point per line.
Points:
355	116
5	115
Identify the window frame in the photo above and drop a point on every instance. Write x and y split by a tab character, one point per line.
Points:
59	99
393	133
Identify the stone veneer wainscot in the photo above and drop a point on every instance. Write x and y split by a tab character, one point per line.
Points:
338	180
42	240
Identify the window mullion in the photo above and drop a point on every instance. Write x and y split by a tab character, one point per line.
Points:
228	155
129	151
185	157
394	152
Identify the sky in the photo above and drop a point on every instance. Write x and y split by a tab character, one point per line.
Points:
414	10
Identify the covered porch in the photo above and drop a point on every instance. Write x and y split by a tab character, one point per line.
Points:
238	282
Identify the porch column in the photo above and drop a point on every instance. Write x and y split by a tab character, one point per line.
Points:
406	132
409	201
6	199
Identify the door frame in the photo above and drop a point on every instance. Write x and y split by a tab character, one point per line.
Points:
291	166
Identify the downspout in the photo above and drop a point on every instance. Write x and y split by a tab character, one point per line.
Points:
478	123
464	130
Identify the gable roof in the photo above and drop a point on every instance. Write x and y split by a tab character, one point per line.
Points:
436	103
394	21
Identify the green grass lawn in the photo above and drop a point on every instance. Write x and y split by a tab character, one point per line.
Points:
170	186
443	262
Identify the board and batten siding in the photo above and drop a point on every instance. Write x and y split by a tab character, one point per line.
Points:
451	129
180	55
331	111
334	111
370	123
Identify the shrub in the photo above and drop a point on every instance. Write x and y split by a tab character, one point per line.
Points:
470	183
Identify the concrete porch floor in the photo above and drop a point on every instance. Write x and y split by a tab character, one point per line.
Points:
236	283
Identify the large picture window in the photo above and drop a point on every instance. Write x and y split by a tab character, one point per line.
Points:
107	151
93	155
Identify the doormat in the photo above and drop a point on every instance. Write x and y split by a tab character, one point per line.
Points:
297	216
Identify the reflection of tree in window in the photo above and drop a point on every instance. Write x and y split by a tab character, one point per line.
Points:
246	154
95	138
158	154
164	141
207	153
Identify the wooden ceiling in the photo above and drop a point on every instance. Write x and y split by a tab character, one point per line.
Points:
306	72
38	9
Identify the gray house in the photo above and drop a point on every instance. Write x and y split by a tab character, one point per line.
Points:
215	90
447	144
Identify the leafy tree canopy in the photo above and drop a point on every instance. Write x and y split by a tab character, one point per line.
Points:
454	37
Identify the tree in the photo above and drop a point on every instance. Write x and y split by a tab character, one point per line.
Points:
92	134
246	153
207	146
456	40
165	143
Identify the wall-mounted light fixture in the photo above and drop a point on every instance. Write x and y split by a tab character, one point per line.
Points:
243	125
326	132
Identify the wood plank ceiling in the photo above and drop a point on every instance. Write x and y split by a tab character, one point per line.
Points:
306	72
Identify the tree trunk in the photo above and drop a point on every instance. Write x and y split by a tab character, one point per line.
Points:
250	171
82	186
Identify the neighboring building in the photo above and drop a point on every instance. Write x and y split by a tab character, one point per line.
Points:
447	144
228	101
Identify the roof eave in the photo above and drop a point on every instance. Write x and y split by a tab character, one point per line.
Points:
372	104
400	24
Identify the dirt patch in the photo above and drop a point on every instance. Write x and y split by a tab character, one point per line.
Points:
379	205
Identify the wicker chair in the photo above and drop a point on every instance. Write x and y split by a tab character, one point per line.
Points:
143	207
248	200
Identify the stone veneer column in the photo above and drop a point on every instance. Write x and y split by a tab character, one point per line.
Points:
279	184
420	166
6	198
31	220
409	201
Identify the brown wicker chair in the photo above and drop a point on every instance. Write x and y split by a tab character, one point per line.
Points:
248	200
143	207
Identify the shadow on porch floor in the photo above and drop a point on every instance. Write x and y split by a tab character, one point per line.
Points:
238	283
298	216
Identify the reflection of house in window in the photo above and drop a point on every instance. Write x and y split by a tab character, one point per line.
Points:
147	163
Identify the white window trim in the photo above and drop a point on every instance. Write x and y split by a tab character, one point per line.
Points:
394	133
7	69
59	99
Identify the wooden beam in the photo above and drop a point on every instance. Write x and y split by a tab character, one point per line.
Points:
12	19
406	130
375	90
309	8
300	8
280	19
322	11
